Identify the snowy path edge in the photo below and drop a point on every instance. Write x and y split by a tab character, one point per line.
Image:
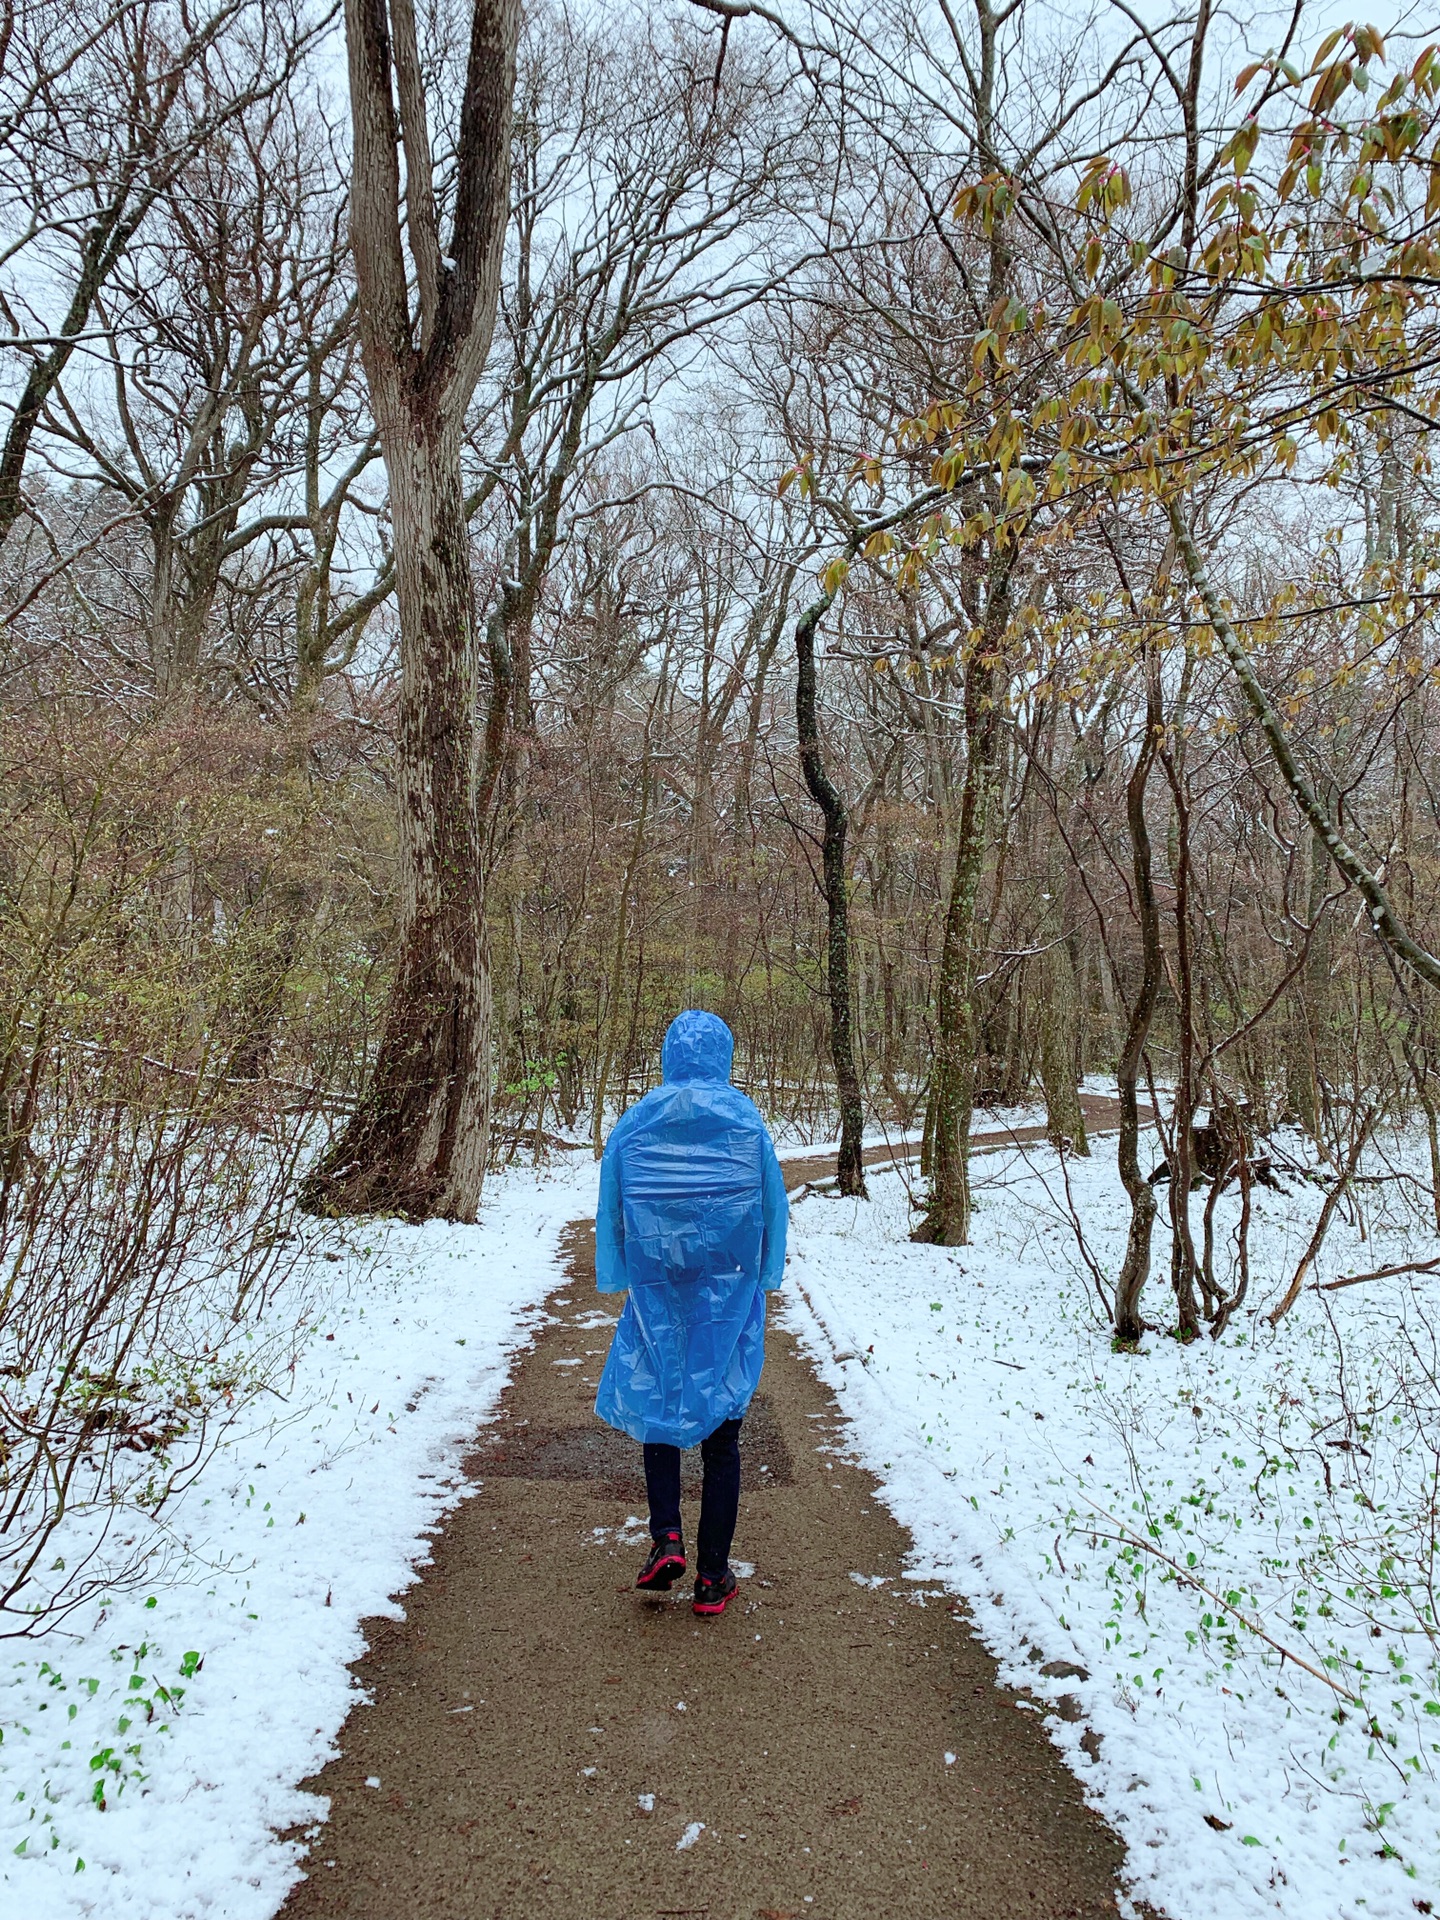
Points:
303	1525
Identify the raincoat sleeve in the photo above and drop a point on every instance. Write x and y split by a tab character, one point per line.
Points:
775	1216
610	1227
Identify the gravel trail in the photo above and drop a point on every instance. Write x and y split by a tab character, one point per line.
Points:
541	1740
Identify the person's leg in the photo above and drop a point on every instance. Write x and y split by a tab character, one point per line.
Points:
719	1499
662	1485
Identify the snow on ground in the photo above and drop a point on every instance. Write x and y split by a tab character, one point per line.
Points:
1126	1522
1042	1476
193	1706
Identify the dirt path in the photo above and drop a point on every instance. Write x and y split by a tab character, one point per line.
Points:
544	1741
1101	1113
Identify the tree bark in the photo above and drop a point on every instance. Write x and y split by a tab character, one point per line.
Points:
417	1143
952	1087
1135	1269
1185	1270
835	885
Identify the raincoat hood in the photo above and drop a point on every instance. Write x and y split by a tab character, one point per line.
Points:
698	1046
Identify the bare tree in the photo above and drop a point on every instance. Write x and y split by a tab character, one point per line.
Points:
226	308
100	112
417	1143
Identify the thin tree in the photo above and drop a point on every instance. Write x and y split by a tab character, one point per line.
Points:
835	885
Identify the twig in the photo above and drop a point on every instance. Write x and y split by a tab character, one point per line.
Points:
1125	1537
1322	1225
1380	1273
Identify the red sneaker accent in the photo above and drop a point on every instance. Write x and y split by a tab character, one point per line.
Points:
664	1567
711	1596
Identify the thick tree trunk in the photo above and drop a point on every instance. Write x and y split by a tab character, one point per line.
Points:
835	883
952	1086
183	588
417	1144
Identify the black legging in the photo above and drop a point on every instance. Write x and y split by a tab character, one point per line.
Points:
719	1498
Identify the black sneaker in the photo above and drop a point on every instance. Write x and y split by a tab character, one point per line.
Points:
711	1594
665	1565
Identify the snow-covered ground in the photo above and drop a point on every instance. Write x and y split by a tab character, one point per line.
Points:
1126	1521
1135	1523
193	1706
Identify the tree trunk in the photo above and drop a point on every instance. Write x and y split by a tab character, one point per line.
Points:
416	1145
1185	1270
952	1087
1135	1269
733	963
276	942
183	587
851	1165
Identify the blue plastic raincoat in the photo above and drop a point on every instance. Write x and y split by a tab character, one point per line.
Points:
691	1222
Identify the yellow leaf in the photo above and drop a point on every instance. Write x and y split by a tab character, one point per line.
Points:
1368	44
1331	84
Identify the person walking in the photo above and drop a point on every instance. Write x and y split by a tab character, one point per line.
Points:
691	1226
